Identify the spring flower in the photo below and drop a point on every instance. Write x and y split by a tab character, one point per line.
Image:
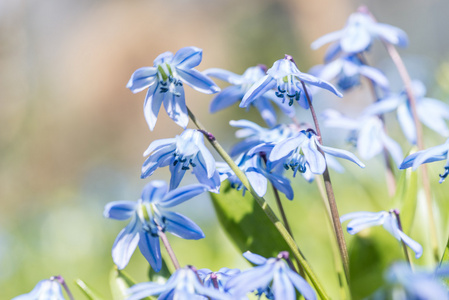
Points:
165	84
286	78
367	133
273	273
149	217
301	152
218	279
183	284
431	112
347	71
389	220
426	156
357	36
405	283
181	153
45	289
240	85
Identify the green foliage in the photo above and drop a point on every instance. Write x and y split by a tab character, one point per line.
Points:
120	282
87	290
161	276
246	224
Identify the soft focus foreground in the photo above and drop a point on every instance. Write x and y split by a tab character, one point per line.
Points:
73	134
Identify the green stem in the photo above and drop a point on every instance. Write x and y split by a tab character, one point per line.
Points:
404	246
330	195
168	247
263	204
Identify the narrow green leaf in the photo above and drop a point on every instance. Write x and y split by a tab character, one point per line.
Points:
445	258
87	290
161	276
246	224
119	282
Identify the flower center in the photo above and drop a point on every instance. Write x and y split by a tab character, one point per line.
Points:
167	80
297	162
289	88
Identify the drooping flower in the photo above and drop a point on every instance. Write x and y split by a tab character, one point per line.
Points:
165	84
240	85
273	273
418	284
368	134
285	76
347	71
217	280
389	220
183	284
46	289
148	218
429	155
301	152
431	112
358	34
181	153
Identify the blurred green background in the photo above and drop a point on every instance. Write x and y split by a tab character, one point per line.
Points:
72	135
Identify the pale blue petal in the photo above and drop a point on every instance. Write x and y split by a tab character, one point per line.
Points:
256	179
175	107
226	98
152	105
318	82
266	110
327	38
181	195
158	144
375	75
126	242
391	34
282	288
146	289
247	125
187	57
150	249
198	81
393	148
285	108
361	223
314	158
282	68
334	164
282	184
258	89
119	210
182	226
45	290
177	173
206	159
255	258
141	79
431	153
333	118
383	106
154	191
415	246
264	147
165	57
432	113
224	75
409	160
332	51
200	171
330	70
157	159
286	147
250	280
301	285
360	214
356	39
369	142
407	124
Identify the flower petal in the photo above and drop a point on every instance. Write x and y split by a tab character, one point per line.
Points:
175	106
187	57
126	242
431	153
177	173
258	89
266	110
286	147
361	223
224	75
158	144
254	258
182	194
145	289
182	226
152	105
407	124
327	38
150	249
119	210
301	285
141	79
356	39
198	81
282	287
154	191
226	98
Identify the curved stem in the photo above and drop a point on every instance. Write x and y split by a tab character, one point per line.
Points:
330	195
263	204
168	247
62	282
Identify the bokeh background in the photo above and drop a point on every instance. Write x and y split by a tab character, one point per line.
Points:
72	136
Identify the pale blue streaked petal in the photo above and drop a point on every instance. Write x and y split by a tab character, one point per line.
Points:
356	39
175	106
224	75
182	226
314	158
318	82
266	111
258	89
255	258
152	105
154	191
150	249
415	246
181	195
177	173
375	75
126	242
141	79
187	57
226	98
119	210
282	288
145	289
407	124
157	144
198	81
391	34
342	154
301	285
433	152
286	147
327	38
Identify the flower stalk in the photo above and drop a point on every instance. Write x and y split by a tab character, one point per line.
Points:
168	247
265	207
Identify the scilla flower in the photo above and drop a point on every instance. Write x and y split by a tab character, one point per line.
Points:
218	279
165	84
240	85
273	273
184	152
430	155
183	284
149	217
300	153
358	35
389	220
285	77
48	289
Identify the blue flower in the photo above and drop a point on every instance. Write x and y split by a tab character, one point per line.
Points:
165	84
426	156
240	85
417	284
45	289
183	284
368	134
431	112
258	176
181	153
358	34
347	70
217	280
363	219
273	273
286	78
301	152
148	218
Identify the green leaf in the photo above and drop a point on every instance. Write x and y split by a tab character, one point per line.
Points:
87	290
120	282
445	258
245	223
159	277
